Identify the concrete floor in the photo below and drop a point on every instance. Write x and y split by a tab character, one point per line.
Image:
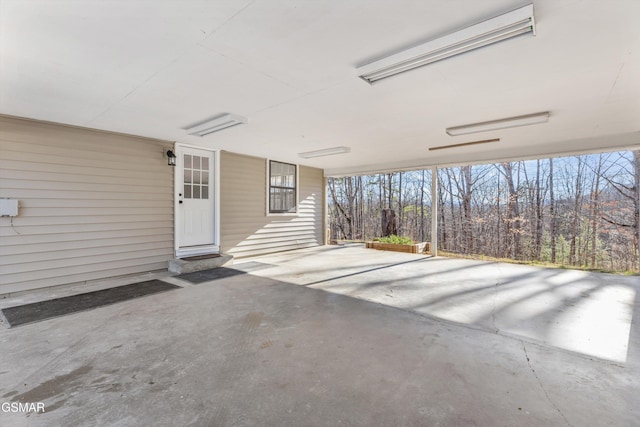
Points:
340	336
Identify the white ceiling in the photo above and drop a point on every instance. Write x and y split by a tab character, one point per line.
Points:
155	67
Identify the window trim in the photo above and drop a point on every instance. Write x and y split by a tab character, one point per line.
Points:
293	212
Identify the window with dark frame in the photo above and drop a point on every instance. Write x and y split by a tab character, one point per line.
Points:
282	187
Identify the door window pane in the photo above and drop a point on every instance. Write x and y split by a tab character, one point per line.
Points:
196	177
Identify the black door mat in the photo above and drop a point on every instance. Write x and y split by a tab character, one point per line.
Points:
43	310
207	275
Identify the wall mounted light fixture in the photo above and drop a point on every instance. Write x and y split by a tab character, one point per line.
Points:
171	158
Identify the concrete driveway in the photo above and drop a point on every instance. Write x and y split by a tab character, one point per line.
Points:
589	313
340	336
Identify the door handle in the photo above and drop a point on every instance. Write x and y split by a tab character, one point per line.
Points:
180	195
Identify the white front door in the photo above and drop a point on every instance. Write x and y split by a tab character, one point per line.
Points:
195	210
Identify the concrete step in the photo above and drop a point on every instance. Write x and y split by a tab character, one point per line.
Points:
199	263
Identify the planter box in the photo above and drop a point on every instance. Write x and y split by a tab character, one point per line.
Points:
416	248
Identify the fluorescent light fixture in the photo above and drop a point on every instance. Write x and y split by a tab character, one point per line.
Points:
511	122
503	27
464	144
219	123
325	152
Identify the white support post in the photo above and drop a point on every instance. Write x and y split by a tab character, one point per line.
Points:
434	211
326	238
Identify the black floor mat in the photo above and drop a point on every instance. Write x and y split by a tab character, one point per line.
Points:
43	310
212	274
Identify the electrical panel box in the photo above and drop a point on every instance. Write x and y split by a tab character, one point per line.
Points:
8	207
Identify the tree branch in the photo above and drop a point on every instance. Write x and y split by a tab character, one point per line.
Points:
619	224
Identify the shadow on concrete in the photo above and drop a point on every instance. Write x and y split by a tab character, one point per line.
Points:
589	313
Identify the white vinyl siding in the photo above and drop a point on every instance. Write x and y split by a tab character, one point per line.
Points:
92	205
246	229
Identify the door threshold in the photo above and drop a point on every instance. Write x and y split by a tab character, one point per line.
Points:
197	251
200	257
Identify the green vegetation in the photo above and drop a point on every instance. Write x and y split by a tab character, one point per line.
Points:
393	239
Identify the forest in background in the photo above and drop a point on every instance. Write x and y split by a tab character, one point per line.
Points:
581	211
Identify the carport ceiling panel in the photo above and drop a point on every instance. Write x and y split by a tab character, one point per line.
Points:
201	84
290	68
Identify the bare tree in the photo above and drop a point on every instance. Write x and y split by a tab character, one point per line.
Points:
539	213
577	205
513	212
580	210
